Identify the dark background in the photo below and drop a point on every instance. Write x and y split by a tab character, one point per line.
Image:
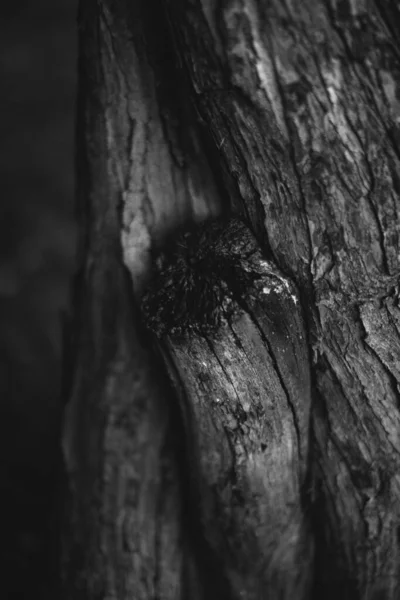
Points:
37	248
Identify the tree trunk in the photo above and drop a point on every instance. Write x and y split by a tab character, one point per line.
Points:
232	429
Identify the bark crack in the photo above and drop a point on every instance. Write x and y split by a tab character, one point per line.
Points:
281	380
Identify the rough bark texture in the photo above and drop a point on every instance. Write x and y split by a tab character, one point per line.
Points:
243	381
256	455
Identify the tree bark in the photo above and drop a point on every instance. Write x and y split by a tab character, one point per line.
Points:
232	429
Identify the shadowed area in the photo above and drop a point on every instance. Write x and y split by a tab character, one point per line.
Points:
37	247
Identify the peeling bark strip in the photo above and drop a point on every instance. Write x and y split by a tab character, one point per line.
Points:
233	337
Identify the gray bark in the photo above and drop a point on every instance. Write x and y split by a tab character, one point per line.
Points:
249	446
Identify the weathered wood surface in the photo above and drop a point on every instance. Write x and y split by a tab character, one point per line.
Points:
286	114
234	342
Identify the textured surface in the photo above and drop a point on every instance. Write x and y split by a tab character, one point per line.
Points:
243	383
201	277
302	99
286	114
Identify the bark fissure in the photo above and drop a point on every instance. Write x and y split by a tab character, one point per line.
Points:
291	148
281	378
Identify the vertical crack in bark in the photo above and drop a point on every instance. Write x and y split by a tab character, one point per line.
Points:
291	152
281	380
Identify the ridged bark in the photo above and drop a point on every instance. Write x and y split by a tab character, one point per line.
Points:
283	116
